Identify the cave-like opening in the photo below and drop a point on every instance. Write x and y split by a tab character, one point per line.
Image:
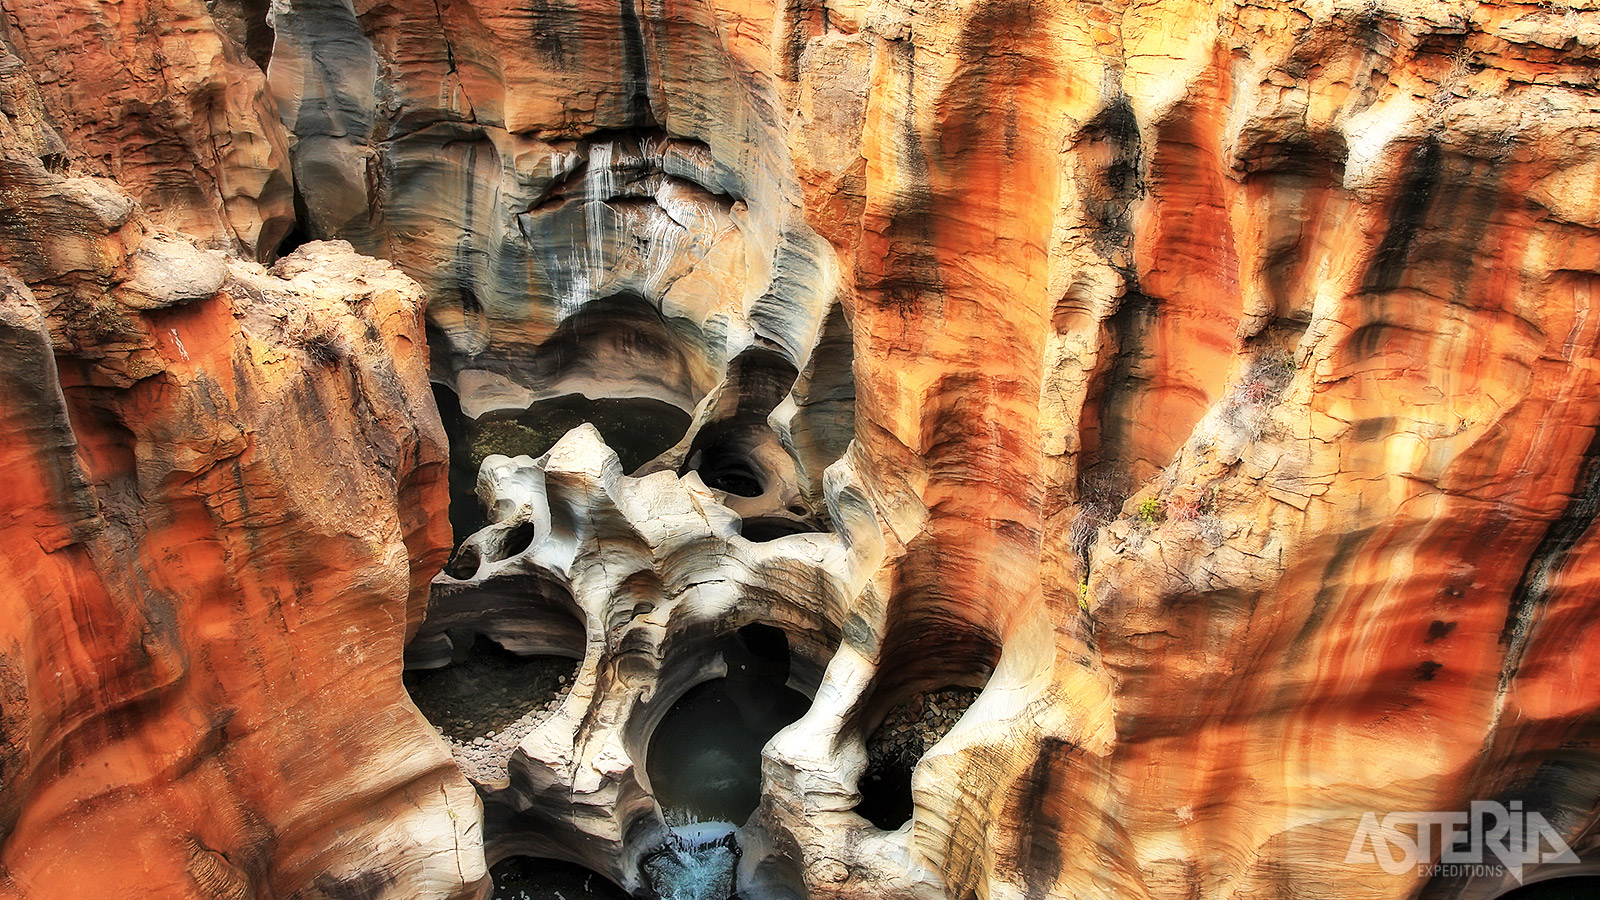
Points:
533	878
762	529
704	756
638	428
897	744
488	678
489	689
466	513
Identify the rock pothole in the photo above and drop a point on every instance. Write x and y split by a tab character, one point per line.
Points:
530	878
485	705
895	746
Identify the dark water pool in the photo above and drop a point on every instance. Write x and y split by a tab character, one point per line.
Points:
527	878
705	756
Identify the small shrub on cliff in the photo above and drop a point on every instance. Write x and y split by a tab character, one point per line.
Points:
1188	507
1266	378
1255	392
1083	531
1183	509
325	349
1150	510
1100	497
319	338
102	321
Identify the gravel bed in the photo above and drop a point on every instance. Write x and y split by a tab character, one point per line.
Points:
485	706
895	746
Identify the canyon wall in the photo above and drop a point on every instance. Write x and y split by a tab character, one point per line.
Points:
1210	384
225	498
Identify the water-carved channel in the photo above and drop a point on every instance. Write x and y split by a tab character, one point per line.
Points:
498	612
704	760
704	764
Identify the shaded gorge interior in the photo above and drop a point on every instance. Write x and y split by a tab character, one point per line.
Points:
488	689
511	638
704	760
639	429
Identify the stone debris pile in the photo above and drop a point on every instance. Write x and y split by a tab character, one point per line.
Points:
915	725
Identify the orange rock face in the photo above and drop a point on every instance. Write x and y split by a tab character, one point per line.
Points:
213	571
1213	385
159	97
225	497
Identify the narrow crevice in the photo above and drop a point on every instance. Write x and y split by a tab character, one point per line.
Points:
1533	589
635	69
466	512
769	528
1111	423
1111	144
245	22
298	234
1406	221
898	743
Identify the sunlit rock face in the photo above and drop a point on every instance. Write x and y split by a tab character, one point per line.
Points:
1221	402
214	567
224	499
1212	386
575	234
164	101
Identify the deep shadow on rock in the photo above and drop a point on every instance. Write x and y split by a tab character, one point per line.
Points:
529	878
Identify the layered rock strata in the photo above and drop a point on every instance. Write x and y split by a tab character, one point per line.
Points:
190	601
225	499
1308	284
1209	385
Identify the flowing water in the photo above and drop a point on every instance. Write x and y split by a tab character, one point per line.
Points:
697	862
704	765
